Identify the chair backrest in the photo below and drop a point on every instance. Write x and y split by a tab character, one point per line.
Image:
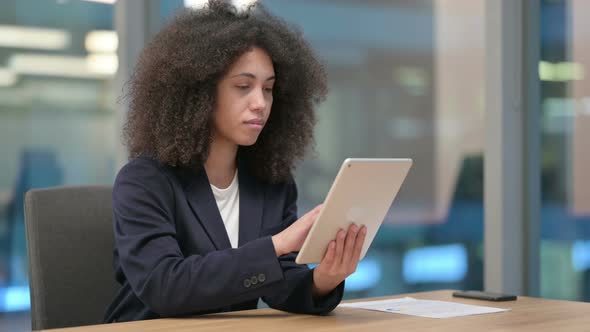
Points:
70	246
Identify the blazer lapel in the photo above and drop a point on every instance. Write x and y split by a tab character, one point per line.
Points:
202	202
251	204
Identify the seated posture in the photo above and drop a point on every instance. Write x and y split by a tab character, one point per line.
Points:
205	215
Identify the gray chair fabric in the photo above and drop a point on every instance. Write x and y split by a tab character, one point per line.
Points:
70	246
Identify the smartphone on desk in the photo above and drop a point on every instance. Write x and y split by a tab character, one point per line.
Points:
483	295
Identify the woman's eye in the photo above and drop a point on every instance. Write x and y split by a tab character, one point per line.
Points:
269	90
242	87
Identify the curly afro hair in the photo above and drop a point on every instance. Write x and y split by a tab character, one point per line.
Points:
172	92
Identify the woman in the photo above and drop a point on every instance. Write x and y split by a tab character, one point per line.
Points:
221	108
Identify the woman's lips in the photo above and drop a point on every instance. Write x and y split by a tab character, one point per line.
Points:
255	124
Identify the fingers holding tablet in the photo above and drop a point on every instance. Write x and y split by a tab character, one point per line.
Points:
340	239
352	248
340	260
291	239
361	193
358	247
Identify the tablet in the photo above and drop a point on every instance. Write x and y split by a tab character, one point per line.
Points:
362	194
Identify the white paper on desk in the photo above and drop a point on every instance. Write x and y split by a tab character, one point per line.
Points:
423	308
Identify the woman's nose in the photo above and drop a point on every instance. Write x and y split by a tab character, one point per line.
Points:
258	101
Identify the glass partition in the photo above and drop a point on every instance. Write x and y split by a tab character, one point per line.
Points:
57	124
565	134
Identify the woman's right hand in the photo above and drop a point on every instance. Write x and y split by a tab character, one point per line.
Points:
292	238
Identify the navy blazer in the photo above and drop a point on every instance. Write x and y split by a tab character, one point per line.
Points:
173	256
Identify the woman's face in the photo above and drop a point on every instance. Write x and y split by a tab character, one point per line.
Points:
244	98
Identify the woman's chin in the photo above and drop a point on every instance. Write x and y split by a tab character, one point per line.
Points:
248	141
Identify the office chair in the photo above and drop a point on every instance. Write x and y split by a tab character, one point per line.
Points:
70	246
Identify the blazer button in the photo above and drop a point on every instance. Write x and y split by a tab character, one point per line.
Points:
261	277
247	283
253	280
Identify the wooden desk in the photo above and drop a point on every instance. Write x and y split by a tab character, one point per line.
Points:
527	314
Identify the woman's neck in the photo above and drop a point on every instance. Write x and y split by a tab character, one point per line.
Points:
221	163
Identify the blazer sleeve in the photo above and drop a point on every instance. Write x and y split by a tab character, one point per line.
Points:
297	294
153	264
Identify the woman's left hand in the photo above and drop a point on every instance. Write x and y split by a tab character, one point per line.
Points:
340	260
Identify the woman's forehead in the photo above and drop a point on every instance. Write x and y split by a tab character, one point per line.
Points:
255	61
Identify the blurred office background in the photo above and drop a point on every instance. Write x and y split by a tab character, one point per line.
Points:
407	79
